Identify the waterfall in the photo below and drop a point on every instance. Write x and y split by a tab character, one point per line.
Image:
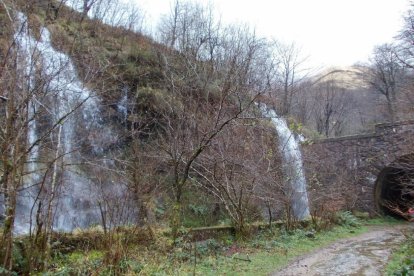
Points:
26	60
292	163
122	105
71	105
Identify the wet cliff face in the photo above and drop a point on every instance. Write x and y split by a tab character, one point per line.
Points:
68	133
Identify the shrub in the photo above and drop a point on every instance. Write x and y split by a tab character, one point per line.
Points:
407	268
406	265
346	218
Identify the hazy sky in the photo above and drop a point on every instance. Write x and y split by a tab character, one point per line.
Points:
330	32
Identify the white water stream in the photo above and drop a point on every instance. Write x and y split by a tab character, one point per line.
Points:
122	105
76	204
292	164
67	98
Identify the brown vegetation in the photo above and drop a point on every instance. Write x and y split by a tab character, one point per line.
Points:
189	133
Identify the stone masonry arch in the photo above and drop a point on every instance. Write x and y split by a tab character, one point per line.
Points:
355	171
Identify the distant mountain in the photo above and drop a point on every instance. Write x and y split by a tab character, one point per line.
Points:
346	77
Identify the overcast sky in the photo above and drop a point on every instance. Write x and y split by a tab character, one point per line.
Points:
330	32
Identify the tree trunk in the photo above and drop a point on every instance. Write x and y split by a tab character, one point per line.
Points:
49	221
10	211
390	107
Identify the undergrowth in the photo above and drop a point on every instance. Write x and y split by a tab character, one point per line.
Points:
346	218
265	251
402	261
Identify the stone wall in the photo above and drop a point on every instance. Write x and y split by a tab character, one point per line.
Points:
344	170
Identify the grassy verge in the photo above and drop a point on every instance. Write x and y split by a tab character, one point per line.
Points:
402	260
267	251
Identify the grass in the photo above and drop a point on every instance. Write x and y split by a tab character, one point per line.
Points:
402	260
266	253
384	221
263	253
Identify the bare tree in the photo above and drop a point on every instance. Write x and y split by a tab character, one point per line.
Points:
405	53
214	72
191	29
385	75
34	93
331	107
405	50
289	73
236	171
112	12
19	115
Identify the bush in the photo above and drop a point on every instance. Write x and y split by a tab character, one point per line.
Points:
4	271
346	218
406	263
407	268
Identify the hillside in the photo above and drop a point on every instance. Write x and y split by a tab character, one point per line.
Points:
104	128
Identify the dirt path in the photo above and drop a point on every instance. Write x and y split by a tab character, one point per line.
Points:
366	254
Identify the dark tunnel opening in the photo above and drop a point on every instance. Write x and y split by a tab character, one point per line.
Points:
395	188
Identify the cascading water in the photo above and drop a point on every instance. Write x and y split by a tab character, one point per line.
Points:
122	105
27	59
292	166
73	108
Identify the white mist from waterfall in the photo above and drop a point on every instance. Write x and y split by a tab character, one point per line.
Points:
292	164
73	206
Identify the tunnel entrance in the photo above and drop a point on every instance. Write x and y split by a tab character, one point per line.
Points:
394	191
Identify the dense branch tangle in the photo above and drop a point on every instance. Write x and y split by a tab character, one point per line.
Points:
213	75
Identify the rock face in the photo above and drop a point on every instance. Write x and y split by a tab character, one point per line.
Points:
78	193
358	165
